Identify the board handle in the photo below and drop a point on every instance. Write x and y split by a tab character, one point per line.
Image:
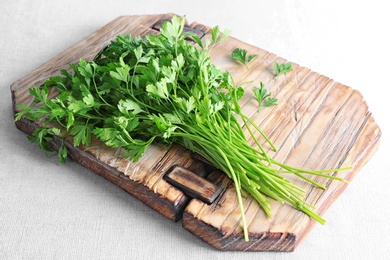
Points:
192	184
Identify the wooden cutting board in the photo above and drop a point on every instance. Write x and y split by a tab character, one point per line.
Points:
317	124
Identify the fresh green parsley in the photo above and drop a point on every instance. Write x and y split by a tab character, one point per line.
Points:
263	97
240	55
282	68
161	88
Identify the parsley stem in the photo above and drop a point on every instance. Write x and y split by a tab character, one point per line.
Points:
238	191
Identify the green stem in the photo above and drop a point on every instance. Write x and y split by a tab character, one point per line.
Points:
238	191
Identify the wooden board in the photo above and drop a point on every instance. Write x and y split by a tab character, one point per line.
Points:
318	123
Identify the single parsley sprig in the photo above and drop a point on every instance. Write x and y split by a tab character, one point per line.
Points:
263	97
240	55
138	91
282	68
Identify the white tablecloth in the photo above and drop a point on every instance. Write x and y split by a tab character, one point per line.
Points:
64	211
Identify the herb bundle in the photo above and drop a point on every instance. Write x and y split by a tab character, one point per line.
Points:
162	88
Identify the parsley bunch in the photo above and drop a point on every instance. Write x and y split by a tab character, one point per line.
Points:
162	88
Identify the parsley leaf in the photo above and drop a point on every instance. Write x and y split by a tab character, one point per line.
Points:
264	98
282	68
81	133
240	55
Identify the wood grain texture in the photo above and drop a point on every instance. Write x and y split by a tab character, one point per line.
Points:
317	124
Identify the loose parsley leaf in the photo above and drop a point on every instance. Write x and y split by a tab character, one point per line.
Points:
240	55
264	98
282	68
